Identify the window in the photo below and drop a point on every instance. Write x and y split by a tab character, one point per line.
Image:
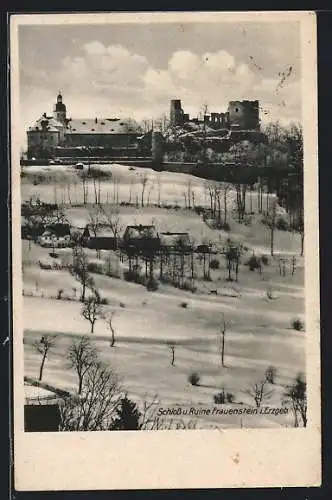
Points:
236	110
83	123
92	130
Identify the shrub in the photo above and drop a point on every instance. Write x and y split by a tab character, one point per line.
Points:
222	397
230	397
194	378
270	374
152	285
247	220
225	226
184	305
265	260
253	263
114	273
96	267
186	285
282	224
219	398
104	301
122	304
54	255
131	276
214	264
45	265
101	300
297	324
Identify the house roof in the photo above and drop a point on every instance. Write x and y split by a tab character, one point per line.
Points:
174	239
101	126
139	232
104	231
38	395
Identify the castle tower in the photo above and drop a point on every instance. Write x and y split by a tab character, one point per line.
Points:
176	112
59	110
244	114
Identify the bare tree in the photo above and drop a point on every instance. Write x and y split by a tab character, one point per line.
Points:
189	193
210	189
171	346
260	392
84	179
109	321
113	220
226	190
241	191
81	355
231	256
95	408
79	270
95	223
301	229
271	223
43	347
143	180
91	310
159	189
221	339
296	396
115	190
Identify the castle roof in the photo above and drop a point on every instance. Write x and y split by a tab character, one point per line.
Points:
46	123
101	126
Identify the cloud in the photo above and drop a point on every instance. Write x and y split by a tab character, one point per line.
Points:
218	61
184	64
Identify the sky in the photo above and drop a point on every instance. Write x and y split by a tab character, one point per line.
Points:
124	70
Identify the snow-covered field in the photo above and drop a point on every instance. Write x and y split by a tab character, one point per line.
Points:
62	184
258	335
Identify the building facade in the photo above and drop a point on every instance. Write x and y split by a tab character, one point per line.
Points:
53	135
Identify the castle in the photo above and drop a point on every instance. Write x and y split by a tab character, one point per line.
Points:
58	135
241	115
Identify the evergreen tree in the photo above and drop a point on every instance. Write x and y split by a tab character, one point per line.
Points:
128	416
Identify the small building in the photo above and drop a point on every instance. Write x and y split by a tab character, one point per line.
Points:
104	239
142	239
56	235
41	409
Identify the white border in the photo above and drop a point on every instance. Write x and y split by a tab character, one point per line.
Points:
176	459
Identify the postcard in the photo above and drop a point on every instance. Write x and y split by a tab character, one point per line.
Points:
165	250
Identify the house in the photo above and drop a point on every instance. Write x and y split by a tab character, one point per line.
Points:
104	239
55	234
41	410
141	239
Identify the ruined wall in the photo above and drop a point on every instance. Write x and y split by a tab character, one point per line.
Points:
244	114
